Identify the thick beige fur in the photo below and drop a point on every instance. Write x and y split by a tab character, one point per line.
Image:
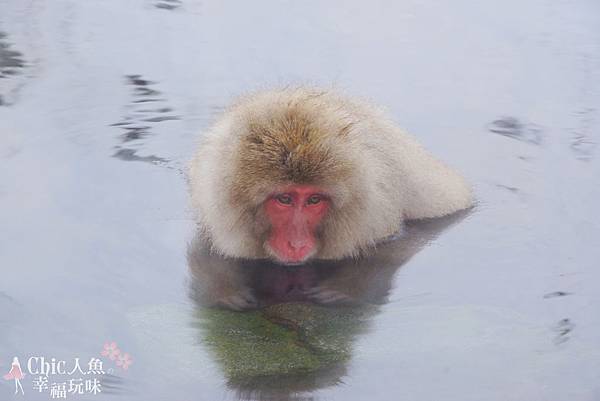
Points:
376	174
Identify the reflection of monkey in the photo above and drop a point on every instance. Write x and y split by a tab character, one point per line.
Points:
300	174
243	284
290	345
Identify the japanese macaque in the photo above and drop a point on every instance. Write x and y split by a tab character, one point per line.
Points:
298	174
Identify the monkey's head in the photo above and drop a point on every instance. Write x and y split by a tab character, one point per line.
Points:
294	181
278	180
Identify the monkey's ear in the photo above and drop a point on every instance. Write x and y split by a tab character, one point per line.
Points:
432	188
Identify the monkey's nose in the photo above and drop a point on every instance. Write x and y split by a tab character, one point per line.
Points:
297	243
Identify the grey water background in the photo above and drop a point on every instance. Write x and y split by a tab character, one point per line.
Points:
101	103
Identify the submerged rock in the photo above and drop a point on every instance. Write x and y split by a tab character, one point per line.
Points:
282	339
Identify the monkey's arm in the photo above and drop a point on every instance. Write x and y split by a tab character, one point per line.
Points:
370	278
218	281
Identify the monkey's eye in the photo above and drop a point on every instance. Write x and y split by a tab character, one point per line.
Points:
284	199
313	200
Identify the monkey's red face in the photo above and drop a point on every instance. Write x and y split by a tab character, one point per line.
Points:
294	214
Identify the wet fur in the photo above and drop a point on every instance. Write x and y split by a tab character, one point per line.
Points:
376	174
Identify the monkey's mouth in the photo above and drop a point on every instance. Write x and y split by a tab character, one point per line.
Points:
287	260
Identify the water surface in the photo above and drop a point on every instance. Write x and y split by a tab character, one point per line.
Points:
101	104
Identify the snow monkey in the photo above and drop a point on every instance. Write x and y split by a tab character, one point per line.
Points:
298	174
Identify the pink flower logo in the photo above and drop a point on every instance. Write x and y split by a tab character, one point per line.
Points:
124	360
111	350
